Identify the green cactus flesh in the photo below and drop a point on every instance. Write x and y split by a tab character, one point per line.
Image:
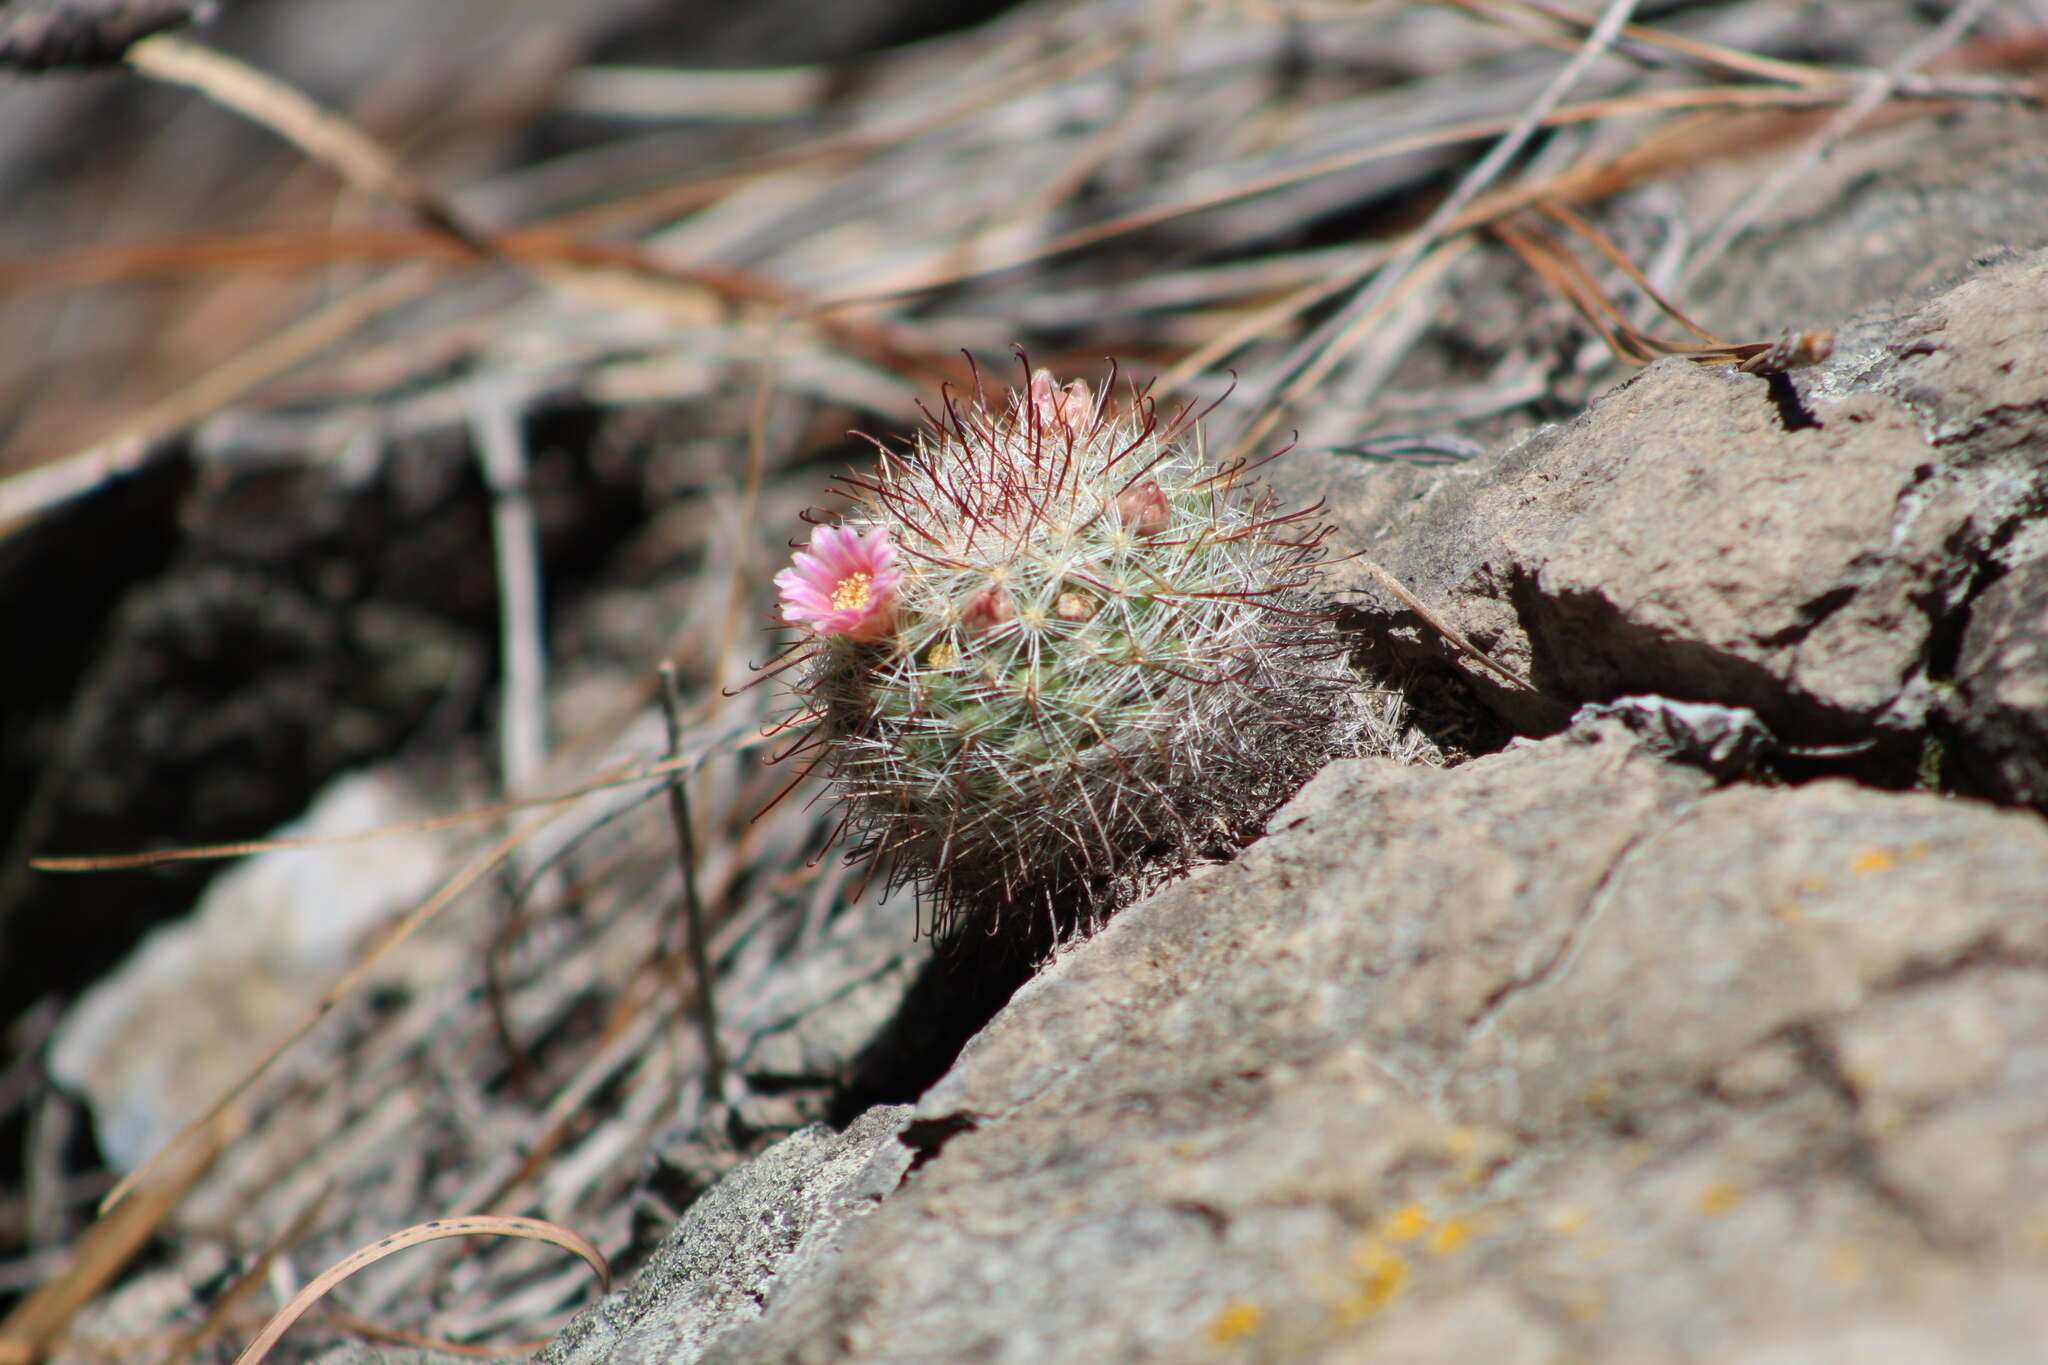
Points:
1098	641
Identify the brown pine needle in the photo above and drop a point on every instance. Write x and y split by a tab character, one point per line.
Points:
1445	629
110	1244
1600	242
731	741
1544	254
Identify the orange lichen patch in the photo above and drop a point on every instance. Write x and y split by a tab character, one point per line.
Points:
1567	1219
1845	1263
1453	1234
1406	1224
1874	860
1235	1321
1380	1276
1584	1304
1460	1140
1473	1152
1718	1198
1599	1095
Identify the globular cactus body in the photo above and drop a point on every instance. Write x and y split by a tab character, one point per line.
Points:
1048	636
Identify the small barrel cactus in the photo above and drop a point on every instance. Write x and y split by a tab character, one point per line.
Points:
1048	644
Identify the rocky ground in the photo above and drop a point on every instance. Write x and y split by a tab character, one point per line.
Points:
1695	1010
1620	1045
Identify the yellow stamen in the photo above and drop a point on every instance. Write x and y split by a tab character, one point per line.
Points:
851	592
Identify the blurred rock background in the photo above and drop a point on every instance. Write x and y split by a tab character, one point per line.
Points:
1594	1048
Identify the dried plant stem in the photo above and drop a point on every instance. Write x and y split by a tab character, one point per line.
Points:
693	907
484	1225
515	541
1877	87
1444	628
320	133
1300	370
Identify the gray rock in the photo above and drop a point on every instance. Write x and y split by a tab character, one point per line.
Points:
1562	1055
2001	701
786	1211
1683	537
1724	740
1891	218
269	934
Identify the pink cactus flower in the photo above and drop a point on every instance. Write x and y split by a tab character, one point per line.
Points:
844	584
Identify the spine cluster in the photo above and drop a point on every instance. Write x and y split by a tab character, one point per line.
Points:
1047	640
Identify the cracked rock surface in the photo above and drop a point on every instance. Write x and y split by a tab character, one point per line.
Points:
1804	549
1565	1054
780	1215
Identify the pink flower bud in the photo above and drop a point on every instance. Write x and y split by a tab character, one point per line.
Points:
1143	508
1071	406
1074	606
986	610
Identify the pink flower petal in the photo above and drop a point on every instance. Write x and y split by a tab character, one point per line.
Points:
845	583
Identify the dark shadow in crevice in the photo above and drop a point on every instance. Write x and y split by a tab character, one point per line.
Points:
928	1137
1462	713
1793	414
952	998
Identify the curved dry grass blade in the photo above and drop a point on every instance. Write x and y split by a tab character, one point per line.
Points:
321	134
479	1225
216	1320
